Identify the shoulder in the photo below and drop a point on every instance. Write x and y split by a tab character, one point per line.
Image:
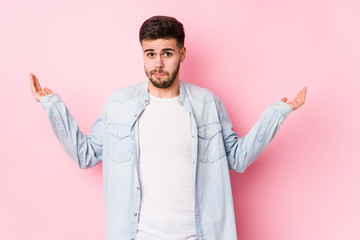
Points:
201	94
125	94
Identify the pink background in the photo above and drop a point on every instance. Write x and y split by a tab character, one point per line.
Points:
250	53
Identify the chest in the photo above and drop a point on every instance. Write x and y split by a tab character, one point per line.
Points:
164	126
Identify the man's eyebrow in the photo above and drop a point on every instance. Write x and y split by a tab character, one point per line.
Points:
149	50
167	49
163	50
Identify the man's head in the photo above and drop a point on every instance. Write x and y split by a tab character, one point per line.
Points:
162	27
162	40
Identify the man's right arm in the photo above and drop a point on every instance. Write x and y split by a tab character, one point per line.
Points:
86	150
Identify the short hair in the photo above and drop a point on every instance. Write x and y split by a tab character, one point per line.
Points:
162	27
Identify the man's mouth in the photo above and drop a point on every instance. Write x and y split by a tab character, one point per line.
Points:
159	74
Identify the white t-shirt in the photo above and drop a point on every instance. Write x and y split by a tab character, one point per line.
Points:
166	172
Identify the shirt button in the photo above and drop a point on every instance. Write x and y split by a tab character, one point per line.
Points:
197	213
47	100
180	99
193	162
135	214
207	135
135	115
193	136
119	135
57	118
137	188
146	101
267	121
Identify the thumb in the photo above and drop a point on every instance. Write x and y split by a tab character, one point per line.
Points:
284	99
48	91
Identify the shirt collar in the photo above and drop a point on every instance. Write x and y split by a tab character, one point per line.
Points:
145	97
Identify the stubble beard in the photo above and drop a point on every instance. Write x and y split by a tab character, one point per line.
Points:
166	82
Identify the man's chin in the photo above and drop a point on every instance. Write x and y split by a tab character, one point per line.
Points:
159	83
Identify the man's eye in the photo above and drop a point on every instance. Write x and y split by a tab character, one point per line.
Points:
167	54
150	54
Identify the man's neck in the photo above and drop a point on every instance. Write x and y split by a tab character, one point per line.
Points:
169	92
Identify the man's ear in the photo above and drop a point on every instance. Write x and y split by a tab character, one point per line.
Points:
182	54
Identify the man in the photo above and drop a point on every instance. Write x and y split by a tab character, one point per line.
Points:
166	147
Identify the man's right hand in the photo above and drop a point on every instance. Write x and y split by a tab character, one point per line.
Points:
36	89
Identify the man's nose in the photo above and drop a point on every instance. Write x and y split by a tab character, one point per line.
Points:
159	62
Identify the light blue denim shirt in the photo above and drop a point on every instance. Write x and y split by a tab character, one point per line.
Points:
216	148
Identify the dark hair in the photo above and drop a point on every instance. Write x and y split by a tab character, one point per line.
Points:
162	27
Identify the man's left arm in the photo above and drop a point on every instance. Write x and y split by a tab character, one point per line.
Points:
241	152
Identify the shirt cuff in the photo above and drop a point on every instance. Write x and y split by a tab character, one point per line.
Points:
49	100
283	108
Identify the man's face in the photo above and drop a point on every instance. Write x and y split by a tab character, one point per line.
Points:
162	58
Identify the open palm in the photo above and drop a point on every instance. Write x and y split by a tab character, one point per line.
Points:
299	99
36	89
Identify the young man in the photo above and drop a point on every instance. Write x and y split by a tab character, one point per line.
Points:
166	147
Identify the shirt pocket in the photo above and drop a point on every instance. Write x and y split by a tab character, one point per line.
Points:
210	144
120	142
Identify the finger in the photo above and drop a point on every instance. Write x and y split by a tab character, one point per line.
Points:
48	91
284	99
38	87
302	95
32	84
35	87
303	91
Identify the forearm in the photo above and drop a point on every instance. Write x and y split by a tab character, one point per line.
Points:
85	150
241	152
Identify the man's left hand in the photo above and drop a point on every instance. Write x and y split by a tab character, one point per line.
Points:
298	101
